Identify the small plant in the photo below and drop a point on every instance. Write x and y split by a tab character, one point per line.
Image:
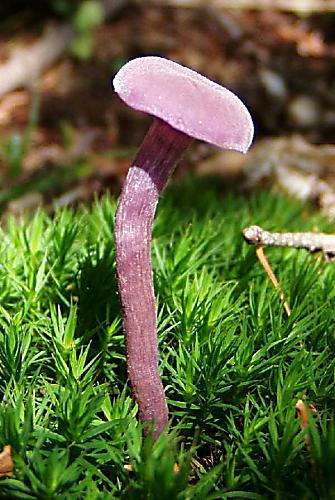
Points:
88	17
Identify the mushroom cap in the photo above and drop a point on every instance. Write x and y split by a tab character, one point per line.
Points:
186	100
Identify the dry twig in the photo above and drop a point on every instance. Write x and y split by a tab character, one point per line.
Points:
313	242
267	268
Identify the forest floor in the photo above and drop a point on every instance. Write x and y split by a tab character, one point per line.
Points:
67	137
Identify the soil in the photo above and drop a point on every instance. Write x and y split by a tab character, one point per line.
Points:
280	64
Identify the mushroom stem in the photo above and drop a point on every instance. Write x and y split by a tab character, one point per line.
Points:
152	167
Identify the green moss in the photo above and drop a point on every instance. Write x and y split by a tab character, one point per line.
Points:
232	363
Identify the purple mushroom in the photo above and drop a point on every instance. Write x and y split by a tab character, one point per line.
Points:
185	105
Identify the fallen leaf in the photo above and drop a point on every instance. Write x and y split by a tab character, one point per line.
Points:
302	413
6	461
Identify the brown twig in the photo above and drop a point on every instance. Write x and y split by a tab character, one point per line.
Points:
267	268
313	242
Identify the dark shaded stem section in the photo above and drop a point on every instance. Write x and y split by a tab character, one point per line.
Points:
147	177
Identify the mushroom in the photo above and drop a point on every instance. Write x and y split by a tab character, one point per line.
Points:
185	105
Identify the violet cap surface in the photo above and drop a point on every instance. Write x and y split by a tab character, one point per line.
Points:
187	101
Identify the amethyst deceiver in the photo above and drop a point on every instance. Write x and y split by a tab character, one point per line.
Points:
186	105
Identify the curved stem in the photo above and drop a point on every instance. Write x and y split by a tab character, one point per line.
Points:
147	177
